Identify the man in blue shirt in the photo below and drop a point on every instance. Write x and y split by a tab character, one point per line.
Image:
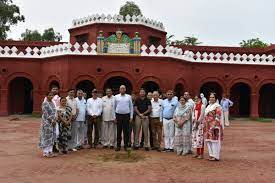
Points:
226	103
166	116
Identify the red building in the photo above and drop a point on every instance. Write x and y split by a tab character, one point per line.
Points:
28	69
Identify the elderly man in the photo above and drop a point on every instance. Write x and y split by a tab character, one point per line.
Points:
168	107
80	120
156	125
143	110
108	116
124	116
226	104
71	101
94	110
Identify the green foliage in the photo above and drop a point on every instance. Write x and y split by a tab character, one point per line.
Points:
48	35
169	39
192	41
30	35
130	8
51	35
9	15
253	43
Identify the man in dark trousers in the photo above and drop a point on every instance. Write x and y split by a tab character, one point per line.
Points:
124	116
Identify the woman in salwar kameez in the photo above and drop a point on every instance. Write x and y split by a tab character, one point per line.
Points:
47	128
182	119
197	129
64	117
213	128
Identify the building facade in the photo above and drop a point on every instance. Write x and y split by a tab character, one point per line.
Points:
29	69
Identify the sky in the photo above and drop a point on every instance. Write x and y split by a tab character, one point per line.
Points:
214	22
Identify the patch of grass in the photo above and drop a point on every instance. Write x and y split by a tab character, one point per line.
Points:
263	120
36	115
128	157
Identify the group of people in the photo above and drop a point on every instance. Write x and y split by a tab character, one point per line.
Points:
71	124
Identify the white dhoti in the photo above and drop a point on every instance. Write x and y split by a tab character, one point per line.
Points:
169	133
226	118
79	133
108	133
214	149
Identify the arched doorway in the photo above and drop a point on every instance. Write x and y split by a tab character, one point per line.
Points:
266	101
20	96
54	83
210	87
179	90
86	86
115	82
150	86
240	95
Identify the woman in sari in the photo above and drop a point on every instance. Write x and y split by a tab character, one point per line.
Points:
197	129
64	117
182	119
213	128
47	128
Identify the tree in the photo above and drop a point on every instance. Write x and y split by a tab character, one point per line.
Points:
9	15
30	35
191	41
51	35
168	39
48	35
253	43
130	8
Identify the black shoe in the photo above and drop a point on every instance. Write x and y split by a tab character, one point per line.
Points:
141	145
117	149
105	147
70	150
165	150
147	149
135	148
111	147
171	150
65	152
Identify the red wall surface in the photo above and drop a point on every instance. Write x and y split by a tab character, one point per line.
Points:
68	71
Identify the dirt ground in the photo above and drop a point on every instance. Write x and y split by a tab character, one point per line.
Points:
248	155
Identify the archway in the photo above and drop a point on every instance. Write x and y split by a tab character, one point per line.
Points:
115	82
240	95
20	96
210	87
150	86
266	101
54	83
86	86
179	90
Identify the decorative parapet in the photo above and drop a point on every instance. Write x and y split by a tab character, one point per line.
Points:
152	51
118	19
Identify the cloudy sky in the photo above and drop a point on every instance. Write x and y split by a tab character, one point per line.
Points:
214	22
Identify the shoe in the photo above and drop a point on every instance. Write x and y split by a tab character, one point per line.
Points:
111	147
141	145
158	149
171	150
105	147
200	157
65	152
70	150
147	149
117	149
165	150
74	150
154	148
135	148
195	156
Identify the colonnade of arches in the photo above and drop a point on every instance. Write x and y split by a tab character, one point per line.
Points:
20	94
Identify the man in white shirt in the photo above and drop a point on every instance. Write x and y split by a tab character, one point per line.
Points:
156	125
94	110
80	120
71	101
108	116
124	116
